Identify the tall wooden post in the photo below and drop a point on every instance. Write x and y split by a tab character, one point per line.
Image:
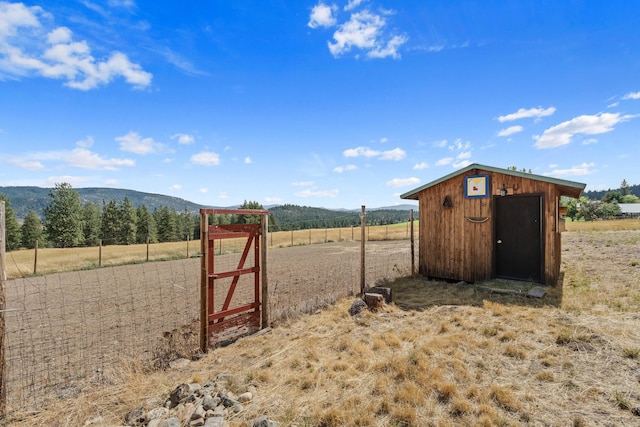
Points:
3	279
204	281
264	277
363	223
100	254
413	258
35	258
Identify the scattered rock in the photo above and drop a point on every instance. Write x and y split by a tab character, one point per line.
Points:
179	363
357	306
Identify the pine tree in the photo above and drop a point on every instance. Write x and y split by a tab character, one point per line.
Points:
166	224
11	226
31	231
145	225
127	222
91	222
110	227
63	217
624	188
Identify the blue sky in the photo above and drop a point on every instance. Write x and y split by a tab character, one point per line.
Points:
332	104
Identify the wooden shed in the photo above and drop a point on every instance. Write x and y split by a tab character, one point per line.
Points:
482	222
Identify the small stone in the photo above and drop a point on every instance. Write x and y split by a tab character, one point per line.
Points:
173	422
197	423
136	417
157	423
263	421
237	408
245	397
214	422
357	306
180	393
209	402
157	413
198	413
179	363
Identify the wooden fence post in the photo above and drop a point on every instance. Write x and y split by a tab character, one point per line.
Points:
413	258
3	278
100	254
363	222
35	258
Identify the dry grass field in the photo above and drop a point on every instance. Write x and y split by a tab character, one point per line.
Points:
441	355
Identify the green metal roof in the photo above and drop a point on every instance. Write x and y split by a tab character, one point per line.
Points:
576	186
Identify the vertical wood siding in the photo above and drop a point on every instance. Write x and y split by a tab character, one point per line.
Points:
455	245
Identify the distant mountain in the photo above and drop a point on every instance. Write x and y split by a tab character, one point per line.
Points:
25	199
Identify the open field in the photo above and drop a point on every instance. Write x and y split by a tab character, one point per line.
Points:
442	355
23	263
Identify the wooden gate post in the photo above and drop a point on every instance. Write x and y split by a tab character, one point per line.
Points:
363	223
204	302
263	272
3	278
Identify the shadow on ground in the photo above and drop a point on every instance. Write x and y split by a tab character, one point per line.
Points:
418	293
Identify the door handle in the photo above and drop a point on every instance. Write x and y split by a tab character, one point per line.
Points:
499	241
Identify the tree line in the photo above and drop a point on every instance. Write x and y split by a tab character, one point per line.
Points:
607	207
67	222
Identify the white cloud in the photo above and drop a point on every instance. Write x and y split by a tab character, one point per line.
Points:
322	16
458	145
440	144
352	4
318	193
176	187
583	169
132	142
362	31
21	33
360	152
395	154
384	139
564	132
510	130
462	164
340	169
82	158
524	113
632	95
445	161
589	141
419	166
464	155
111	182
203	190
222	195
183	138
247	160
23	163
206	158
302	184
403	182
273	199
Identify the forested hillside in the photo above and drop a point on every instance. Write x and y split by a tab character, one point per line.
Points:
599	195
25	199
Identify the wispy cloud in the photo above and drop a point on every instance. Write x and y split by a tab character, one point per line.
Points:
510	130
28	49
206	158
564	132
318	193
394	154
524	113
83	158
403	182
583	169
364	31
420	166
340	169
632	95
183	138
132	142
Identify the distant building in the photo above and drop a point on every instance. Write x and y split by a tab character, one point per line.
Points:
629	210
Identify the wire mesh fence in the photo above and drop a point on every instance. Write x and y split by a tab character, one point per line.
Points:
64	329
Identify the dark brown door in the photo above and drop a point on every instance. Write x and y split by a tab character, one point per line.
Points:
518	237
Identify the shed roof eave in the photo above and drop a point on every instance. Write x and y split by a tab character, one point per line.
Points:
566	188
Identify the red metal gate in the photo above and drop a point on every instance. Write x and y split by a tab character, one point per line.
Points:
227	322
